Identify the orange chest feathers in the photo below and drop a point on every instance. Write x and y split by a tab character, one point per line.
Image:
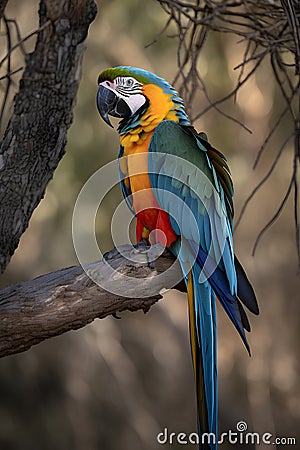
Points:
150	216
134	165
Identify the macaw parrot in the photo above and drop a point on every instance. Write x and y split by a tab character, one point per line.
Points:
167	171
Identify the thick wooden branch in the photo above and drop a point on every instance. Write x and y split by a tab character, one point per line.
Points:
35	138
68	299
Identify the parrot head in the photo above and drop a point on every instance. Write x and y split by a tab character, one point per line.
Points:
138	97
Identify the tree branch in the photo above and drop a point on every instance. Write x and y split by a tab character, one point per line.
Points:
35	138
3	4
68	299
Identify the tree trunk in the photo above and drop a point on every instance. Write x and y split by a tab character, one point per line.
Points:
35	138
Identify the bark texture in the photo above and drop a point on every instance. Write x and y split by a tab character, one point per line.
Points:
35	138
68	299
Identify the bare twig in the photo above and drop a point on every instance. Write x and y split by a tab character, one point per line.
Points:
8	79
13	72
293	20
276	215
7	58
22	40
263	180
3	4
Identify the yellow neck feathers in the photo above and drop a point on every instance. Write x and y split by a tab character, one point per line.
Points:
161	107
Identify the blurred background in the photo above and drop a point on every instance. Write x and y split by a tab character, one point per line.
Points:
117	383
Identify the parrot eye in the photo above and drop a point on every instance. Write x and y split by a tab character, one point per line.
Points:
129	82
128	87
126	83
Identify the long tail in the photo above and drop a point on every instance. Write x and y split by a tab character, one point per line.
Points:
203	334
203	338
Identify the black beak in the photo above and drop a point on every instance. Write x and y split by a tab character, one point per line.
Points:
109	103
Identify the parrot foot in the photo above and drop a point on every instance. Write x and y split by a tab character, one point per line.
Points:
140	253
142	248
142	245
152	252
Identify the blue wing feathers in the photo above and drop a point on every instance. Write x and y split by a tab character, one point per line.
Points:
185	165
220	286
213	218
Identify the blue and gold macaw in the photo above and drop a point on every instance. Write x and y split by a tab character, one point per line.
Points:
168	171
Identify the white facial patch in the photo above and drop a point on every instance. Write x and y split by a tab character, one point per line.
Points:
135	102
130	90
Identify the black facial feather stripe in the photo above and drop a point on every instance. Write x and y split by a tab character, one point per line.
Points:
123	92
127	92
127	85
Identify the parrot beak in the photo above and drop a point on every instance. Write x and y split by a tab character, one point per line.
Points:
109	103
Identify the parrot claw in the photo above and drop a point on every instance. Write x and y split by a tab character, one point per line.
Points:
115	316
151	265
111	254
142	249
142	246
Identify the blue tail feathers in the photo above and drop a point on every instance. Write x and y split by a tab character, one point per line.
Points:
203	336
